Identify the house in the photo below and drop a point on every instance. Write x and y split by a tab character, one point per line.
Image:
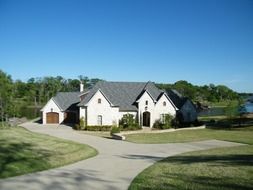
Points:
186	112
106	103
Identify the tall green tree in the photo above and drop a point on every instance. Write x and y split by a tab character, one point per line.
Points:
6	95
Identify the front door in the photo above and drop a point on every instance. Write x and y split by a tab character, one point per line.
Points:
146	119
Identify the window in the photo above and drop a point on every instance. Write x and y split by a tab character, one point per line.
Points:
99	100
99	119
164	103
162	118
146	103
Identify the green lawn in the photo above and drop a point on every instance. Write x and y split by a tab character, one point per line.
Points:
217	169
22	151
235	135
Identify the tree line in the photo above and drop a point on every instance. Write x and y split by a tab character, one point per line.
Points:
17	95
207	93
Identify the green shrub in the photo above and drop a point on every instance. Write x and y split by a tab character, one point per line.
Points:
77	127
4	125
168	121
82	123
115	129
98	127
166	124
157	124
128	122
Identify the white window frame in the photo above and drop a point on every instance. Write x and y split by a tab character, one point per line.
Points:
100	120
162	118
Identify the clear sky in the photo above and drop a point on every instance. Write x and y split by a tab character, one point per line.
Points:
201	41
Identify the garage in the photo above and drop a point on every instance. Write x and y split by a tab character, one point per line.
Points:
52	117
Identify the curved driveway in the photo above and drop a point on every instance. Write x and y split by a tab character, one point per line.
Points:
117	163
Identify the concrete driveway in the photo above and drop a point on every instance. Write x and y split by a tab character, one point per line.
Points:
116	165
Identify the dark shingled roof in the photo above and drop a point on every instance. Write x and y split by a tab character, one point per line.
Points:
177	98
66	99
122	94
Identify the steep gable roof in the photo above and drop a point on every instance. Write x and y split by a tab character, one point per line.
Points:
122	94
177	98
65	100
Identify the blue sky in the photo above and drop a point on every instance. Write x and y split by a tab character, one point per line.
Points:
201	41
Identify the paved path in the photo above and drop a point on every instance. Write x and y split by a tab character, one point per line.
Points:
117	163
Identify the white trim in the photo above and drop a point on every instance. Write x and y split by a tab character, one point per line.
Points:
148	94
48	103
169	100
103	95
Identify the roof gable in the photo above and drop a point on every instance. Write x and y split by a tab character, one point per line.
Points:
168	98
142	93
51	100
65	100
122	94
102	94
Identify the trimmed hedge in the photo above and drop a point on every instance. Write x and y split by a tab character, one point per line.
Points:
115	129
98	127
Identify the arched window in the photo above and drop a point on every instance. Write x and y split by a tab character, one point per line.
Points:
164	103
146	103
99	100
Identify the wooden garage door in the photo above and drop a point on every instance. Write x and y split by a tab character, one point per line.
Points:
52	117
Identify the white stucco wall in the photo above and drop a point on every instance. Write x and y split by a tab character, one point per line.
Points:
161	109
109	114
51	106
155	108
82	112
121	113
142	107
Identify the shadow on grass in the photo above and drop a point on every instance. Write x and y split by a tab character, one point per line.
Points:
229	124
224	160
207	182
61	179
20	158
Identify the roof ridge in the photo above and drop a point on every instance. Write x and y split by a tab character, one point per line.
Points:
146	85
127	82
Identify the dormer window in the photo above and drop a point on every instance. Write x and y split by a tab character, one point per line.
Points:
146	103
99	100
164	103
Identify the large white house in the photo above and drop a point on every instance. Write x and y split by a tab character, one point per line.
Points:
106	102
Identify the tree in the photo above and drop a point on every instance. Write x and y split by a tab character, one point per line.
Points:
6	95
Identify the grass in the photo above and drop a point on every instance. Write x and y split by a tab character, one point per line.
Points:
216	169
22	152
243	135
223	103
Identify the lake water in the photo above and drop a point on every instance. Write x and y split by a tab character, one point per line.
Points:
215	111
218	111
